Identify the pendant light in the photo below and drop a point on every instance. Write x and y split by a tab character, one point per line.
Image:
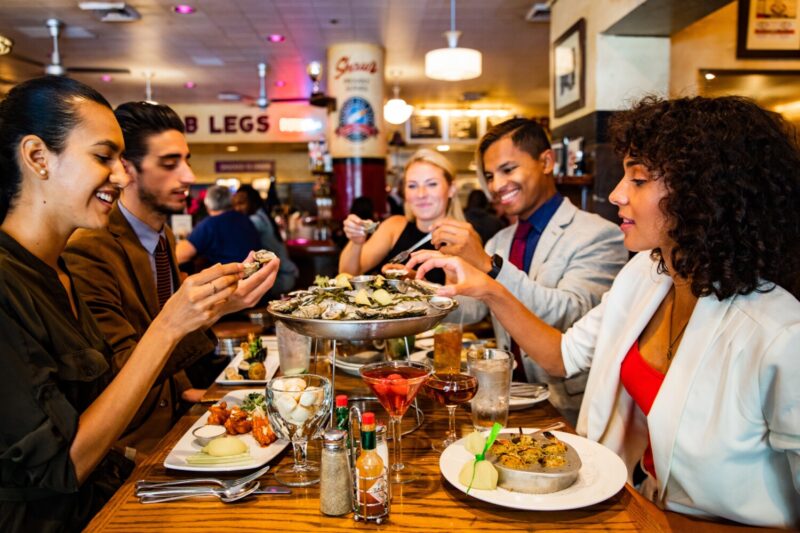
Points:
453	63
396	110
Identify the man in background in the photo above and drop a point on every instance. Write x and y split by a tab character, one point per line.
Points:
127	271
224	236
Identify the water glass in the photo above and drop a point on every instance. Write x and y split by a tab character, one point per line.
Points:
492	368
294	350
447	349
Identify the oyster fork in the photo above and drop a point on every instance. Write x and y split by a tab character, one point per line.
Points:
224	483
403	256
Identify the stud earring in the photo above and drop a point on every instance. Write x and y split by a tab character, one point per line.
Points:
43	171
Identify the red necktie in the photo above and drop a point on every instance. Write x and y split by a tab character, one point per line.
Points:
517	258
163	272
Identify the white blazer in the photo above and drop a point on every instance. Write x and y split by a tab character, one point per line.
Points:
725	425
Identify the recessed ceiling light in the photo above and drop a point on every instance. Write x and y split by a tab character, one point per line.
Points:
106	78
280	83
232	148
710	76
184	9
190	85
276	38
443	147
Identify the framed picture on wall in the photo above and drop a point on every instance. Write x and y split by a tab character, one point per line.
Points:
463	128
425	128
569	70
768	29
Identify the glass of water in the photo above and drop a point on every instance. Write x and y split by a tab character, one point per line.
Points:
492	368
294	350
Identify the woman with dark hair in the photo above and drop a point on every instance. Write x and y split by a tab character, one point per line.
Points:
60	170
694	350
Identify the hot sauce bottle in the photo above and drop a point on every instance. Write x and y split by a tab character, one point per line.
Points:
371	482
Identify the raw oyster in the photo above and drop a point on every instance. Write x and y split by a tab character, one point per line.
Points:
260	258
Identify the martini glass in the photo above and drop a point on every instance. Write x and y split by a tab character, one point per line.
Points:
296	406
451	390
396	384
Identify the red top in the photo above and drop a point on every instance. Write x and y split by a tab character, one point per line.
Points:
642	382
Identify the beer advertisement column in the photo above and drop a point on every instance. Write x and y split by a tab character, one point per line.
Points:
355	130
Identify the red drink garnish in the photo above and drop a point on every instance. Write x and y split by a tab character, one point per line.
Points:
395	387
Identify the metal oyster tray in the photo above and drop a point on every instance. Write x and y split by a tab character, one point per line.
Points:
362	329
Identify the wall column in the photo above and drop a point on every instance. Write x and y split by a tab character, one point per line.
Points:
355	130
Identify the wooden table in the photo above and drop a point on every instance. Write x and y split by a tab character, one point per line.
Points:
430	504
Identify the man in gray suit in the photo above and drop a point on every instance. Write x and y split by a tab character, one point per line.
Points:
557	259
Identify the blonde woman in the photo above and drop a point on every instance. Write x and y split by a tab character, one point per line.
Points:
430	196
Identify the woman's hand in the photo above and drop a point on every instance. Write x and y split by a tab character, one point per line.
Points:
353	227
201	299
250	290
463	278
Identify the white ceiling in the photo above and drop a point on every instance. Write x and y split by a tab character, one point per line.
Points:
230	34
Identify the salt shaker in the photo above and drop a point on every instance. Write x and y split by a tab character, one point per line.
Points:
336	482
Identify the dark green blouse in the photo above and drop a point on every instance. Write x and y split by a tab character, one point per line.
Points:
53	367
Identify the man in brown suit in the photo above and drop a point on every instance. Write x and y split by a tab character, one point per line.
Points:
115	269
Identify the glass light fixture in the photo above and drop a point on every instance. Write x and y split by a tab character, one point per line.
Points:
6	45
453	63
396	110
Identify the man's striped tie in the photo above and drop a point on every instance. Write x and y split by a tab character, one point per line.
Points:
163	272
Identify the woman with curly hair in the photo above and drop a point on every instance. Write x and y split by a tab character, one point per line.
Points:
694	350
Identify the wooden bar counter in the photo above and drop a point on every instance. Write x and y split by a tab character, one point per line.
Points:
429	504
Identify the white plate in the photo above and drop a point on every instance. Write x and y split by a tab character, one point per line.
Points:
188	445
517	403
602	475
271	363
353	368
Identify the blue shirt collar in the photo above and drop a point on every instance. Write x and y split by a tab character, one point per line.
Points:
147	235
541	217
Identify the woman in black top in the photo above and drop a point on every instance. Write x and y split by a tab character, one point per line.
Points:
61	169
430	195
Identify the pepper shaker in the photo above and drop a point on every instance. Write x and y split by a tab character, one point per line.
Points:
336	482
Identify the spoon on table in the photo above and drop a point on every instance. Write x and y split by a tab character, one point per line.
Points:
226	495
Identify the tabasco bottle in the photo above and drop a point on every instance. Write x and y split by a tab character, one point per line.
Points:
371	480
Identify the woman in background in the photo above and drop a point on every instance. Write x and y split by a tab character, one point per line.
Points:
430	196
60	170
693	352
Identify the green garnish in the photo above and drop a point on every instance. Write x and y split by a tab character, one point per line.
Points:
482	456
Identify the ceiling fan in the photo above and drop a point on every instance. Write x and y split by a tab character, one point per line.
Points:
262	101
55	67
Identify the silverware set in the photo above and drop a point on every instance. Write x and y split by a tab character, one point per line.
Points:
227	490
527	391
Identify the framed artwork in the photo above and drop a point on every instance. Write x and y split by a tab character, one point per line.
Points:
463	128
569	70
425	128
768	29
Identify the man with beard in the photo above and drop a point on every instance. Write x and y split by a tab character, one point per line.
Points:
556	259
127	271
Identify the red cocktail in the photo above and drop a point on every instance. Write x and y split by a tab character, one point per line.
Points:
396	384
451	390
